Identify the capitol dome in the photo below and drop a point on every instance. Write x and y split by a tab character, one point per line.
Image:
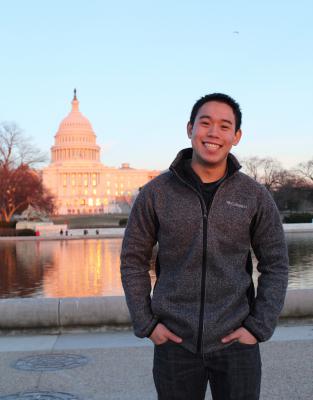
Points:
75	120
75	138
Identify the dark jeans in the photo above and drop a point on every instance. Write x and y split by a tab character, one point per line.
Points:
234	373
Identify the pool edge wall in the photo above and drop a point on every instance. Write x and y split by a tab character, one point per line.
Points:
41	313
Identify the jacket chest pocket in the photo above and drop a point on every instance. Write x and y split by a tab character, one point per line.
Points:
232	222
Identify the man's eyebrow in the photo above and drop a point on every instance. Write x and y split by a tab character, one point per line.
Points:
223	120
228	121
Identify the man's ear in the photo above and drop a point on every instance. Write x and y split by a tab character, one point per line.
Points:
237	137
189	130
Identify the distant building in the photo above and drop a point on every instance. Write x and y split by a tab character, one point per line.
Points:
77	178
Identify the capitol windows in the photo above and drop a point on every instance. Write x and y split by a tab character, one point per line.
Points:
85	191
94	191
109	191
82	202
73	180
79	179
105	201
90	201
98	203
85	180
94	180
64	179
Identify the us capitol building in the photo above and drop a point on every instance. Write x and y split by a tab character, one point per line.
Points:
80	183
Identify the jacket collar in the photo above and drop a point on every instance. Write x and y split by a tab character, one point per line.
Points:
177	165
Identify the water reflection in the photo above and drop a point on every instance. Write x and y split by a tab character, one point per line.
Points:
83	268
78	268
21	269
300	248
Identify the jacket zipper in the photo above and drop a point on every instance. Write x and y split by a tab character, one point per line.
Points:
203	279
205	215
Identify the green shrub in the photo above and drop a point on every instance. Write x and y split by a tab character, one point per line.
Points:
25	232
10	224
7	232
122	222
298	218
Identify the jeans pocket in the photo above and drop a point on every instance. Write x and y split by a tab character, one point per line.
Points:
245	344
162	344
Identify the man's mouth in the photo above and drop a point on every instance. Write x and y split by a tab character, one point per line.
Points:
211	145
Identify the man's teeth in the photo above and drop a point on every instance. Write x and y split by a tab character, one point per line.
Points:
211	145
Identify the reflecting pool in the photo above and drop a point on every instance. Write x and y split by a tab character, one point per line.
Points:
78	268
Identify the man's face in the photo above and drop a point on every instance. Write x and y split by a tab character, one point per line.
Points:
213	134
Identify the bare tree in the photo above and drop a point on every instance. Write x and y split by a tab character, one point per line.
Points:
267	171
17	149
273	174
306	169
253	167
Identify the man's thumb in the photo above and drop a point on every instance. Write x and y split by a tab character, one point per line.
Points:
173	337
230	337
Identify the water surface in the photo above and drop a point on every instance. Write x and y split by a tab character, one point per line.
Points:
90	267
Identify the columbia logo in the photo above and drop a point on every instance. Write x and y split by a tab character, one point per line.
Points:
232	203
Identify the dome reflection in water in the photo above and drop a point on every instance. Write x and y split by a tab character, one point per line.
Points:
79	268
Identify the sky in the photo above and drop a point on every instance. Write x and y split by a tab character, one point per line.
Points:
139	66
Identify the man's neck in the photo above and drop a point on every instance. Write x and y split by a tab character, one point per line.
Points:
209	174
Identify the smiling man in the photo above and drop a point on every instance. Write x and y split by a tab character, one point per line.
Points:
213	132
204	318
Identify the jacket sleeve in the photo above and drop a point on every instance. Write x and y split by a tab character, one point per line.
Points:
269	245
139	239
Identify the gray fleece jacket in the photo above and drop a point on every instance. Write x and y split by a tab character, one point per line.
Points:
203	287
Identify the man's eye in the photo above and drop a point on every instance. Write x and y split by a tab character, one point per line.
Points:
225	127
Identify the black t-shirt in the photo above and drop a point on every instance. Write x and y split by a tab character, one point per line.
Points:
207	190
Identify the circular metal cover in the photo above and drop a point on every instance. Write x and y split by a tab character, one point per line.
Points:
50	362
40	396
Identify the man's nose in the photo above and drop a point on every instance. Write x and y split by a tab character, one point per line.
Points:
213	131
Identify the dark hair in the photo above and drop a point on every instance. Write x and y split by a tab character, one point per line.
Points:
219	97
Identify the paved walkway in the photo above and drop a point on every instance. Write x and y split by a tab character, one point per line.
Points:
73	234
111	233
117	366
